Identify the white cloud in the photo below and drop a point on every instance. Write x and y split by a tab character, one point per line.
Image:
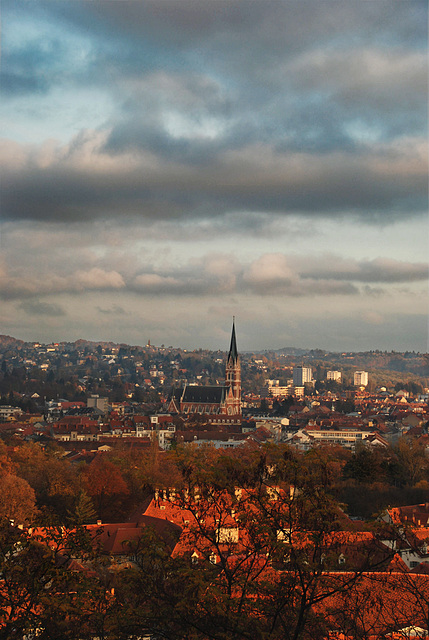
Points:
28	284
154	283
96	279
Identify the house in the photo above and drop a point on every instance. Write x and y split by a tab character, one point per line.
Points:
121	542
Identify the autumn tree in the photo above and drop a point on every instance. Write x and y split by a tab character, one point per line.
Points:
254	556
410	464
17	499
54	480
42	594
258	558
106	485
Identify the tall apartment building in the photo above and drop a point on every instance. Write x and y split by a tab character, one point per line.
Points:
334	375
302	375
98	403
360	378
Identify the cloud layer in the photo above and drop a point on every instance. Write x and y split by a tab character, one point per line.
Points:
219	274
224	152
262	106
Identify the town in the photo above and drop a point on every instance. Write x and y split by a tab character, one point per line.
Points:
212	495
80	393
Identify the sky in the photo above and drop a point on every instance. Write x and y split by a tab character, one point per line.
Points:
167	165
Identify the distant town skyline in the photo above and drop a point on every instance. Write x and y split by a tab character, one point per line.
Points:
169	165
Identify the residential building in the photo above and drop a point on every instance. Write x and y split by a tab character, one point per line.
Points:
102	404
273	389
308	438
360	378
155	427
334	375
7	412
302	375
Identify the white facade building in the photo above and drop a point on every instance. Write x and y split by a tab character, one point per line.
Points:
334	375
307	439
273	389
7	412
360	378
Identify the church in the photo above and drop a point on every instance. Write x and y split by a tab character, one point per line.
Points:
221	405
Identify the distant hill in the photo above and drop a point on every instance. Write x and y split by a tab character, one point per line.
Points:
8	341
88	343
408	362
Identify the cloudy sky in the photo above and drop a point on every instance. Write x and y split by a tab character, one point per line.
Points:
169	164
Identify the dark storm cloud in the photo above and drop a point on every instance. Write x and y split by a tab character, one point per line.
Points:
114	310
281	107
377	270
83	183
292	23
277	63
39	308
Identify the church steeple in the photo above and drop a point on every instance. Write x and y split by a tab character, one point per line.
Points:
233	353
233	376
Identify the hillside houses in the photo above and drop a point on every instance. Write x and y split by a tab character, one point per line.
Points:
170	396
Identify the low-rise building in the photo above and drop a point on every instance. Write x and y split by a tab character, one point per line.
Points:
7	412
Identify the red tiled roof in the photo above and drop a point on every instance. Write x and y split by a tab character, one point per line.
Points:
121	539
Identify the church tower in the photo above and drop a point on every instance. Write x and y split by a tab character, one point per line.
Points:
233	377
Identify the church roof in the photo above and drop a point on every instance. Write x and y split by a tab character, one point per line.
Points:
211	395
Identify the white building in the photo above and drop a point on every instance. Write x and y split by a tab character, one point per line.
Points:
334	375
302	375
154	430
307	439
360	378
298	392
273	389
7	412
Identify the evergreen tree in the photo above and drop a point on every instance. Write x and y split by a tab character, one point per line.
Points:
84	511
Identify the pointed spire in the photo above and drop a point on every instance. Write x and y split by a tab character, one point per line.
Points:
233	353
